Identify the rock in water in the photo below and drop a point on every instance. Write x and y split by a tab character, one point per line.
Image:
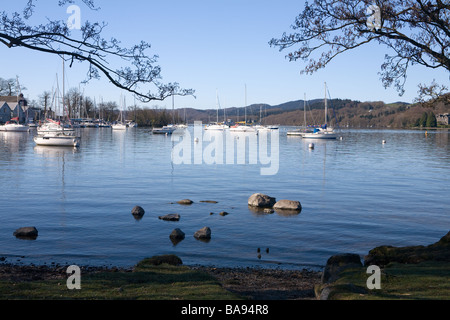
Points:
138	212
177	234
170	217
288	205
185	202
29	233
203	234
261	200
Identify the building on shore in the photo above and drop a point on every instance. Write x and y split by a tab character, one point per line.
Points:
443	119
13	107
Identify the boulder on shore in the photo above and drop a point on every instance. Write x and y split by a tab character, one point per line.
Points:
169	259
261	200
28	233
381	256
337	263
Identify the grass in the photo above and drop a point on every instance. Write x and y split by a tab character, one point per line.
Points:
428	280
146	282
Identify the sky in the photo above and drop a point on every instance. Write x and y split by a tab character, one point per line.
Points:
214	47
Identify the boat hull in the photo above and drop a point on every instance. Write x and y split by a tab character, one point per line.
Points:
14	128
57	141
119	127
322	136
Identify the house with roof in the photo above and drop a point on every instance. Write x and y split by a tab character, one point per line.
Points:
13	107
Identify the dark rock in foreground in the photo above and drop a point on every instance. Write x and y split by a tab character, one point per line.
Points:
27	233
158	260
337	263
381	256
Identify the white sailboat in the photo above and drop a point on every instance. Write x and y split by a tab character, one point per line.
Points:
245	127
301	132
59	137
120	125
14	126
217	125
323	132
171	128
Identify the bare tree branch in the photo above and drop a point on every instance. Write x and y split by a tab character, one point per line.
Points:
140	69
417	32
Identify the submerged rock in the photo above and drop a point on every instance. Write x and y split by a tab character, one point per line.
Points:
27	233
170	217
185	202
261	200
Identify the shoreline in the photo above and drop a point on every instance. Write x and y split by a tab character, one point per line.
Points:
250	283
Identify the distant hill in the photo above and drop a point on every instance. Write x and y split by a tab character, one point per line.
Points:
342	113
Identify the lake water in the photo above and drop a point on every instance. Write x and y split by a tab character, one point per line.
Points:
356	194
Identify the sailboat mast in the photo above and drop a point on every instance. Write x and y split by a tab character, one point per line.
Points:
217	98
245	104
18	102
326	105
304	110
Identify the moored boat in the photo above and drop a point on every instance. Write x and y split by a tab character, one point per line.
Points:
57	139
14	126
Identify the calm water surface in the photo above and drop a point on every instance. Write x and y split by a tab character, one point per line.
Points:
356	193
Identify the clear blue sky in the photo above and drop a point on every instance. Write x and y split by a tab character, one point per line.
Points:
207	46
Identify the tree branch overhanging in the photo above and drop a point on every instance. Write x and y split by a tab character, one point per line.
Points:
139	73
417	32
